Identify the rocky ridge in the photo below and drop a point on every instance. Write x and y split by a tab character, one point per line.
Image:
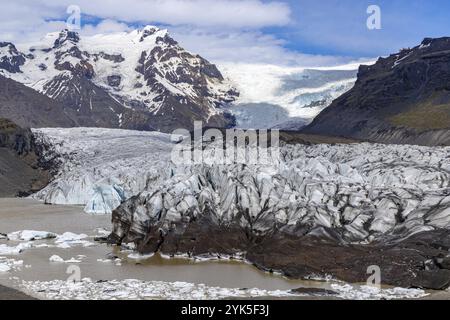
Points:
21	172
403	98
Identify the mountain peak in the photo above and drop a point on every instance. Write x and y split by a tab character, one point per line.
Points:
428	41
148	31
66	35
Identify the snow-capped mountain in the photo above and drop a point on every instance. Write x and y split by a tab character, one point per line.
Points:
285	97
140	79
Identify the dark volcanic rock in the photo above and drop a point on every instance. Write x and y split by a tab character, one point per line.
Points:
183	110
114	80
404	98
433	280
401	264
117	58
92	106
20	172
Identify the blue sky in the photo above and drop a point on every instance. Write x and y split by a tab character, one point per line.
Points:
338	27
293	32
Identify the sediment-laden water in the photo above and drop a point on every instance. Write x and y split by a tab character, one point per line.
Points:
41	268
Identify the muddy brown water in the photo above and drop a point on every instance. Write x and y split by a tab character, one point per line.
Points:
25	214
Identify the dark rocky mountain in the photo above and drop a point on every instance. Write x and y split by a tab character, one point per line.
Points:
140	80
11	59
404	98
20	170
29	108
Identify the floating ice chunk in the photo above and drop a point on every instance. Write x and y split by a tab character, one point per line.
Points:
30	235
139	257
350	292
7	250
69	236
4	267
69	239
56	258
102	232
43	245
7	265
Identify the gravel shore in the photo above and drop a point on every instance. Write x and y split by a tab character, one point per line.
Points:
12	294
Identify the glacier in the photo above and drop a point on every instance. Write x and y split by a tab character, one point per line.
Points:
288	97
318	209
100	168
362	191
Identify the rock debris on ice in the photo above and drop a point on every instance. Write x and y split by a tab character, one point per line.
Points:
363	191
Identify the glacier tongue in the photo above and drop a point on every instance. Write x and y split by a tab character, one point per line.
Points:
362	191
100	168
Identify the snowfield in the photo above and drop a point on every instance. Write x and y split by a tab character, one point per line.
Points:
363	191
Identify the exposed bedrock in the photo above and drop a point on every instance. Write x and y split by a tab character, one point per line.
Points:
403	99
21	172
414	262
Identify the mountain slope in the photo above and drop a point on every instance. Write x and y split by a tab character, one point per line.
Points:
29	108
138	80
19	169
404	98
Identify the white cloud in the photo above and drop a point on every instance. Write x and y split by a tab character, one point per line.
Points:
24	20
247	47
225	13
105	26
220	30
205	13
